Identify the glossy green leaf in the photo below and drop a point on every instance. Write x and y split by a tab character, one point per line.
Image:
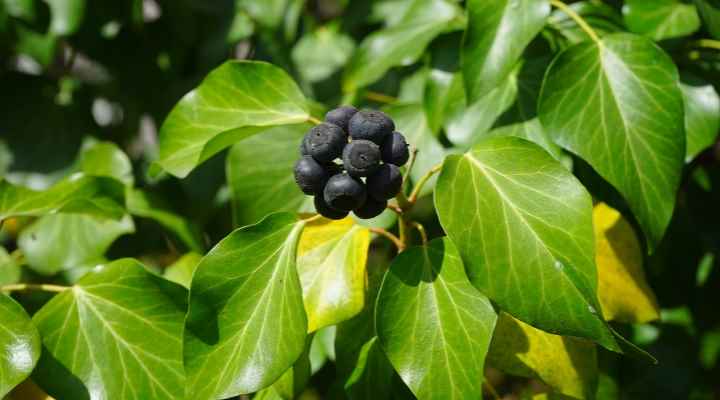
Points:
710	13
523	225
106	159
661	19
66	16
19	345
320	53
259	189
253	311
148	205
181	271
530	130
498	32
291	383
702	116
9	269
116	334
373	375
440	90
411	121
568	365
236	100
40	47
617	104
331	264
63	241
268	13
76	194
603	19
400	44
434	326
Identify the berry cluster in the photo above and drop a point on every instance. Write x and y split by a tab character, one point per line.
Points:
371	153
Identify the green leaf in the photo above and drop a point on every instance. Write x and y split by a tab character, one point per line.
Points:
373	375
401	44
568	365
62	241
181	271
76	194
319	54
617	104
292	382
259	189
105	159
603	19
497	34
116	334
702	116
441	89
710	13
411	121
9	269
22	9
529	130
245	304
42	48
661	19
66	16
331	264
19	345
269	13
523	225
148	205
433	325
236	100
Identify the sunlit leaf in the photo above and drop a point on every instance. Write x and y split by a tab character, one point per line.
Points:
523	225
291	383
622	290
19	345
181	271
661	19
434	326
105	159
702	116
66	16
9	268
254	311
320	53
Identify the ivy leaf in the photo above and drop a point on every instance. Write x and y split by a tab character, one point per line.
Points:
149	205
566	364
616	103
259	189
236	100
433	325
181	271
622	290
318	54
523	225
603	19
66	16
19	345
292	383
401	44
76	194
62	241
331	264
9	269
116	334
496	36
702	116
530	130
256	310
441	88
105	159
710	13
661	19
373	375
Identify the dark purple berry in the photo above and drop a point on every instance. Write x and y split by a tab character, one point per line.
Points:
361	158
326	211
395	149
341	116
385	183
310	176
371	209
325	142
343	192
370	125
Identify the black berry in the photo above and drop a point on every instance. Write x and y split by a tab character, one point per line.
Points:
361	157
341	116
325	142
303	148
326	211
395	149
370	125
385	183
371	209
343	192
310	175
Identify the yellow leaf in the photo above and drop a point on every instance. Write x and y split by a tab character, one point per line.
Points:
566	364
622	290
331	264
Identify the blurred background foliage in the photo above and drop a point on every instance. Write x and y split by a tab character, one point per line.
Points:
74	72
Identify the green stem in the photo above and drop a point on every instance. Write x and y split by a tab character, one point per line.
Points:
314	120
421	229
396	241
379	97
577	18
19	287
419	185
708	43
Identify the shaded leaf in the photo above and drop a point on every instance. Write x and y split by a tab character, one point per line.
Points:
617	104
318	54
236	100
441	89
530	130
66	16
702	116
373	375
331	265
19	345
181	271
256	310
496	36
661	19
433	325
568	365
400	44
622	289
117	334
105	159
523	225
292	383
9	269
710	13
603	19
